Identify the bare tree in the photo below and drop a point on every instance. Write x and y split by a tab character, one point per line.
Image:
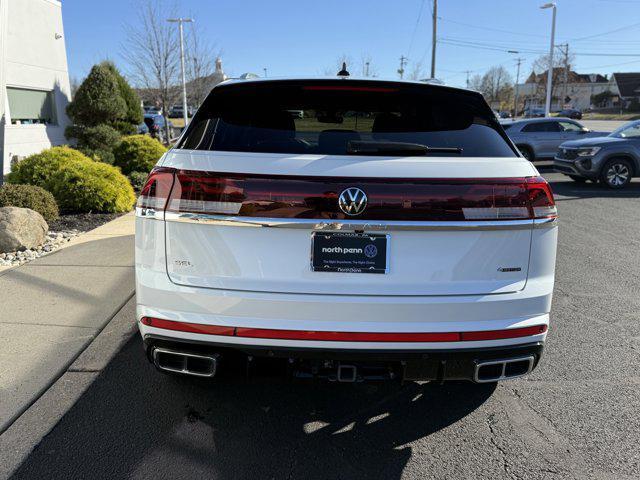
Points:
151	50
367	67
417	71
475	83
496	85
332	71
200	64
561	67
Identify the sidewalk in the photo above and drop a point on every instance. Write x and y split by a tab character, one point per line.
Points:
54	306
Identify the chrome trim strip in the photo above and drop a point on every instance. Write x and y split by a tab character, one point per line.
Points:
545	222
353	225
149	213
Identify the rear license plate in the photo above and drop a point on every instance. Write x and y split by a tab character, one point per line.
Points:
348	252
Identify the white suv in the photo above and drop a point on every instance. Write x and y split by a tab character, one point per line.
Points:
352	229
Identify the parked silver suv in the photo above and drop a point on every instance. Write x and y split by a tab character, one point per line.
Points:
539	138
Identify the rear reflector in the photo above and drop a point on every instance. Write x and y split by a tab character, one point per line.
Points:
187	327
245	332
438	199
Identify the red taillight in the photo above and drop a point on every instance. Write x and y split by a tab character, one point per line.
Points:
437	199
541	198
203	192
156	190
347	88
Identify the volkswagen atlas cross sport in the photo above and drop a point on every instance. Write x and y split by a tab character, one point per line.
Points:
349	229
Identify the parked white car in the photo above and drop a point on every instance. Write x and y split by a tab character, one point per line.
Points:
391	231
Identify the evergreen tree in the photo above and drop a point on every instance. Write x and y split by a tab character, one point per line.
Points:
133	116
104	108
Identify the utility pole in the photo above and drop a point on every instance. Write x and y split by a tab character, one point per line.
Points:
566	71
403	62
515	100
467	72
265	71
180	21
433	38
366	69
547	103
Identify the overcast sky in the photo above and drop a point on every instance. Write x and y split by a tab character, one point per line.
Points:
305	37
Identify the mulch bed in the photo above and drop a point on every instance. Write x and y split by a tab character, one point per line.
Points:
83	222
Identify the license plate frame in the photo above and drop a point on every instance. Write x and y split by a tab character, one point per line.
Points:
355	260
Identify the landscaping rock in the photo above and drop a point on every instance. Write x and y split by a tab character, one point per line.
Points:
21	229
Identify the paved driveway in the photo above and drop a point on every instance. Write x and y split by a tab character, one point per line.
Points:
602	125
576	417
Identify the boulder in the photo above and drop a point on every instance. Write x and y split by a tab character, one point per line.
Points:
20	229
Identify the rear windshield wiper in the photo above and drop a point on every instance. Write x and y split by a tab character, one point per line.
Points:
361	147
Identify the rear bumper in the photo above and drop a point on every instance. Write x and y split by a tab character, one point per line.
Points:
415	364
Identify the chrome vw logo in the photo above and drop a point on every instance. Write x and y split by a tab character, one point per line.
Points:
352	201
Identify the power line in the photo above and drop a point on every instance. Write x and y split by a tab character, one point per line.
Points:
612	65
415	28
501	48
605	33
490	28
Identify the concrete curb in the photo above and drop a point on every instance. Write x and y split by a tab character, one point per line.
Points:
27	431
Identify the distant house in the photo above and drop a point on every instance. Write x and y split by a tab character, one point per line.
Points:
627	86
577	92
34	81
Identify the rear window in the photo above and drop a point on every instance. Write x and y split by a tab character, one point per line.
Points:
346	117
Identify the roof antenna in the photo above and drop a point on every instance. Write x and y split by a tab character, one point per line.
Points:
344	72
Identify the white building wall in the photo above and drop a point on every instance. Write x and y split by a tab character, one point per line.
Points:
580	94
33	57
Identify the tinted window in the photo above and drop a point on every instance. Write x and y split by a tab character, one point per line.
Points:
541	127
570	127
323	117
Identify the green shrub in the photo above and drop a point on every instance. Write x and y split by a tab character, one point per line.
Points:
78	183
98	99
138	153
36	169
138	180
91	187
133	115
29	196
95	142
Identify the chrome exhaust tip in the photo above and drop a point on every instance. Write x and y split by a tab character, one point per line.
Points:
185	363
496	370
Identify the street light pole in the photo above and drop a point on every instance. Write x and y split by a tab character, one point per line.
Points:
434	38
180	21
547	104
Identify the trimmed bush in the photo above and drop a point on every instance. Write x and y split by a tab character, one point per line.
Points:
91	187
138	180
36	169
95	142
78	183
138	153
29	196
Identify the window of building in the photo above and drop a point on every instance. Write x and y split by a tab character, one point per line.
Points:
28	107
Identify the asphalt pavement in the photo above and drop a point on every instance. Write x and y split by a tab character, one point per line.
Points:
577	416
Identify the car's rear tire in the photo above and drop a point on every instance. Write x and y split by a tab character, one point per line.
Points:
577	179
617	173
526	152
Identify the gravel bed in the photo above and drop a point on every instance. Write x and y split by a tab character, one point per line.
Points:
60	232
